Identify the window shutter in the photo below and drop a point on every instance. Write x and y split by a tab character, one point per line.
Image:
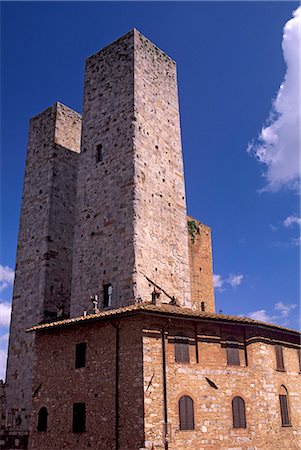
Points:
284	410
233	354
239	413
186	412
299	357
279	357
181	349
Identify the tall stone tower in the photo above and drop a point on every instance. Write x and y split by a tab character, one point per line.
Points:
131	233
44	255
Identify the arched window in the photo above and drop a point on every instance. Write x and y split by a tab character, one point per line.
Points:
284	409
181	348
186	413
42	421
233	353
239	413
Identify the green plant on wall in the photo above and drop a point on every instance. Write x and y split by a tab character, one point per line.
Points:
193	229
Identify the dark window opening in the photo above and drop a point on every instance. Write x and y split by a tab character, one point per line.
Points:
80	355
279	357
233	354
107	295
79	418
299	359
239	413
42	419
202	306
99	153
284	410
181	349
186	413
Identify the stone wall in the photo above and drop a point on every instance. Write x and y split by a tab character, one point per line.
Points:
59	384
44	254
256	380
207	378
131	219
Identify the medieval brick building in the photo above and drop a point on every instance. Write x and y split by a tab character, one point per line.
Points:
115	343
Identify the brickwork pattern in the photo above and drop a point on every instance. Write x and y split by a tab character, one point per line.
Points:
206	378
200	263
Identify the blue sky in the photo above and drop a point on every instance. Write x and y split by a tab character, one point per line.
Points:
230	67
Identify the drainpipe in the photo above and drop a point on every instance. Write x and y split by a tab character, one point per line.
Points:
116	326
164	386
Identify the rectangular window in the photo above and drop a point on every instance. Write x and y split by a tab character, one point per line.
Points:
299	359
80	355
233	354
279	358
181	349
285	420
79	418
107	295
202	306
99	153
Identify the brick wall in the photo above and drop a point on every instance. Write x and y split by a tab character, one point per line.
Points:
200	263
206	378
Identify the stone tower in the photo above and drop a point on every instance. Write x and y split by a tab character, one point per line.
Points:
44	255
131	233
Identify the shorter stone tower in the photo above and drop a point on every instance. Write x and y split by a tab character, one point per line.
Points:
44	256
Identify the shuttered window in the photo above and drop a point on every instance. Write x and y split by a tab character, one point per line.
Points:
42	420
299	359
181	349
186	413
239	413
279	357
284	410
80	355
233	354
79	417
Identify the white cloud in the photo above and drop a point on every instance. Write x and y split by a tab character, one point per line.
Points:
235	280
284	309
260	315
279	141
218	281
6	277
5	311
292	220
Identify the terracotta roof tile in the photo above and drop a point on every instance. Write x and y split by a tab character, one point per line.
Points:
154	309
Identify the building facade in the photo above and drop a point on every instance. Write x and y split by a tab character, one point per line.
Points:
128	352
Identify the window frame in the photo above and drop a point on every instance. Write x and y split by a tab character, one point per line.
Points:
42	420
284	407
186	413
79	418
107	295
80	355
280	367
239	418
181	344
233	353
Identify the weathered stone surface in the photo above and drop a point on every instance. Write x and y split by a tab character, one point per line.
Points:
131	222
44	255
